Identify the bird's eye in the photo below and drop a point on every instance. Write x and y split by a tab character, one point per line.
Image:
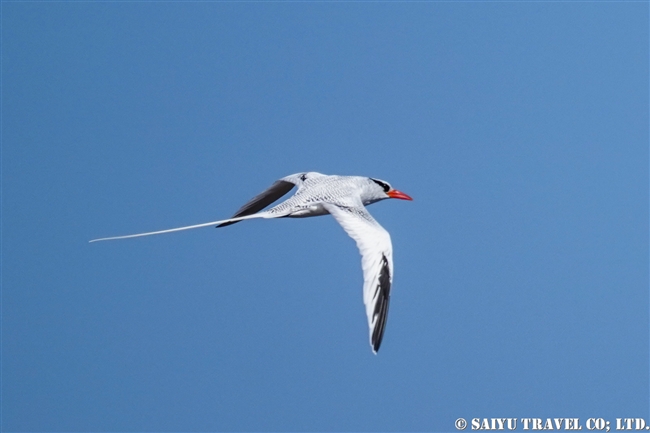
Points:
303	177
384	185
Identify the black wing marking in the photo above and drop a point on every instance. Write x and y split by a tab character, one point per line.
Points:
259	202
381	306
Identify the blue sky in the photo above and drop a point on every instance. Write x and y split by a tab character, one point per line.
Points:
521	267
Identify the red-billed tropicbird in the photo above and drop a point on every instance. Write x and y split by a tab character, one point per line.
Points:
345	198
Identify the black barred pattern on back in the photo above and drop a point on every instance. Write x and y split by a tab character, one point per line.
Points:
381	307
328	189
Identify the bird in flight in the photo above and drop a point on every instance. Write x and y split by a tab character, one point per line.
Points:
345	198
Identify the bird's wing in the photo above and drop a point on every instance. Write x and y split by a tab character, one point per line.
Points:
262	200
376	251
272	194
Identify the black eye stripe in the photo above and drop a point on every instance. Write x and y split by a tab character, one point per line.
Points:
384	185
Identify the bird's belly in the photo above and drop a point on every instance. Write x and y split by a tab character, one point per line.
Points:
309	211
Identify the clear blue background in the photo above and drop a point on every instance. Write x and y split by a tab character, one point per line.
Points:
521	268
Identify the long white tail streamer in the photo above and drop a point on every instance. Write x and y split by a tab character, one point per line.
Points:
196	226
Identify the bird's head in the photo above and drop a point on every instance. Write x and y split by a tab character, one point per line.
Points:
381	190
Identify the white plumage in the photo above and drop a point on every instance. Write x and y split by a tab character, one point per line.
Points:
345	198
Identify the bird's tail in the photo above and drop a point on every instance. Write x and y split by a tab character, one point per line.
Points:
196	226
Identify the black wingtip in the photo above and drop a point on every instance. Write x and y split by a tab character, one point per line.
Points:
381	308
